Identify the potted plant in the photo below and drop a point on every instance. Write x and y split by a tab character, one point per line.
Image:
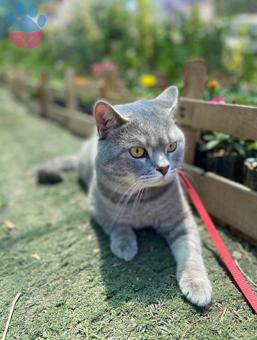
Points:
222	154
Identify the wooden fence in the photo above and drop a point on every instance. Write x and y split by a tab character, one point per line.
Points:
68	115
232	203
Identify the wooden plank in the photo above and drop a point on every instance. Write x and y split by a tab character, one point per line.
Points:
44	94
81	125
58	114
71	97
76	122
233	203
236	120
92	89
194	79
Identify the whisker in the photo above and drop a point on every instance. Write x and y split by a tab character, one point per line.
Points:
138	199
129	192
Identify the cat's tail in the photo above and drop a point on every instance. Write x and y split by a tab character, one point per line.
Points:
52	172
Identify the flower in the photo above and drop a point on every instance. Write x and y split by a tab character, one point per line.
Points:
218	100
99	68
212	84
80	81
148	80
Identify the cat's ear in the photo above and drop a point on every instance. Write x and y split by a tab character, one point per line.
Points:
107	118
169	98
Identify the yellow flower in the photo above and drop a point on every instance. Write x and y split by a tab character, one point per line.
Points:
212	84
236	60
148	80
80	81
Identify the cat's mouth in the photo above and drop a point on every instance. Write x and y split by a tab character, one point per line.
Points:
158	180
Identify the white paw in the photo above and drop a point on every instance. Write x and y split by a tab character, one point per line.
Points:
124	248
196	289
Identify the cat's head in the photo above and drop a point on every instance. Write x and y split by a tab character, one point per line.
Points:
140	141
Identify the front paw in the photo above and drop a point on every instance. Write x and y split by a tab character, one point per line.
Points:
124	246
196	288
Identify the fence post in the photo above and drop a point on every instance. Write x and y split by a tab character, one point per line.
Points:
70	90
44	95
194	81
109	86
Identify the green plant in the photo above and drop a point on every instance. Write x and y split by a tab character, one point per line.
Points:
215	141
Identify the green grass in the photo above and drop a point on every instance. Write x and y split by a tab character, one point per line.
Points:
78	289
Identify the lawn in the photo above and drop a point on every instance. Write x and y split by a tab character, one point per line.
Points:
72	286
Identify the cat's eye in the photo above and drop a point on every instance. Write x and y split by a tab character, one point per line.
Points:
137	152
171	147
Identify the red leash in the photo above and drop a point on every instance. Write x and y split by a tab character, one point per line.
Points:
222	249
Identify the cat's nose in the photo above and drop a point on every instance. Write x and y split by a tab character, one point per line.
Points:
163	169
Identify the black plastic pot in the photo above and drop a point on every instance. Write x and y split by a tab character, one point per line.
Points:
226	165
229	166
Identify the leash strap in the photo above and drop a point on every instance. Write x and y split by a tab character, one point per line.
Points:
222	249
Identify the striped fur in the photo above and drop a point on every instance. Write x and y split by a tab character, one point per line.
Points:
127	193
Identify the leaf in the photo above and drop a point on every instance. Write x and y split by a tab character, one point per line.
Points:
9	226
253	146
36	256
212	144
208	136
237	255
221	136
239	148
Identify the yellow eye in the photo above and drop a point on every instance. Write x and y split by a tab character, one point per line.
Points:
137	152
172	147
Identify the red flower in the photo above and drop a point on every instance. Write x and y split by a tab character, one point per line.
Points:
220	100
98	68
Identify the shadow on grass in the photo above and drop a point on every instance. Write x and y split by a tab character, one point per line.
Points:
148	278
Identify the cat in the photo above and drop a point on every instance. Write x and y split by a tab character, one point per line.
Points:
130	166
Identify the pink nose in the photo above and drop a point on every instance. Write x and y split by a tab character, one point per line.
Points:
163	169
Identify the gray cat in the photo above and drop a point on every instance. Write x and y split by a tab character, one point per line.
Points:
131	170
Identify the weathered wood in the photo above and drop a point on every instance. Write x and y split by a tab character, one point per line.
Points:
236	120
78	123
71	96
108	85
44	94
194	79
92	89
81	125
22	85
231	202
250	173
58	114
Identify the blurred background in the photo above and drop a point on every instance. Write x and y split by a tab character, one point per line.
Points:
145	42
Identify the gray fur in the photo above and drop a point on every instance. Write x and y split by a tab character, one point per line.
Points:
126	193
